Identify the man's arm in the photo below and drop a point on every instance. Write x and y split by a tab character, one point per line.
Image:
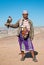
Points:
32	30
13	25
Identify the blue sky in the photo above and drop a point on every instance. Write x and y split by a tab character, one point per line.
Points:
14	8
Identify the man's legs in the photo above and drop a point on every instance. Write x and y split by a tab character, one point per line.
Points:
34	57
32	52
23	56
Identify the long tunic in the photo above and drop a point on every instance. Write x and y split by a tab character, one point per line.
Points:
25	44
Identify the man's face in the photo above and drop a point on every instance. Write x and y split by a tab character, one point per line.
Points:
25	15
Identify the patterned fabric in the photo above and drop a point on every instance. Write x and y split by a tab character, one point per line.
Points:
26	24
30	27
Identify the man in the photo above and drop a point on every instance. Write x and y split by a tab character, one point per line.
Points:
25	44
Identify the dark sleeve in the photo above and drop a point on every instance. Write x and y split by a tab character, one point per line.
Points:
31	30
16	25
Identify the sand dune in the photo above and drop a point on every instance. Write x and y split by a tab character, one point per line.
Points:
9	51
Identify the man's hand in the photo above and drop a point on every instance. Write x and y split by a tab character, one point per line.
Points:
7	24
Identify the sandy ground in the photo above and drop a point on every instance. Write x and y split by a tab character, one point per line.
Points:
9	51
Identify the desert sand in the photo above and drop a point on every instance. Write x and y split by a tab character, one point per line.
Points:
9	51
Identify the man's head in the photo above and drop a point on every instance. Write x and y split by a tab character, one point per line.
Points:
25	14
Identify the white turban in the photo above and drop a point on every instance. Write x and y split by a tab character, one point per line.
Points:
25	12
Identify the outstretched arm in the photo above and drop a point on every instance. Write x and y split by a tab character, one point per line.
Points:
13	25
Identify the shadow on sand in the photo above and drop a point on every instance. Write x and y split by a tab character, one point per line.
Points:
28	54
